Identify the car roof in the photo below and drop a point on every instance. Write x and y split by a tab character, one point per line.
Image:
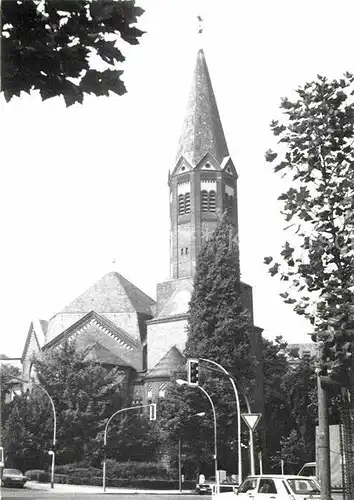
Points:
277	476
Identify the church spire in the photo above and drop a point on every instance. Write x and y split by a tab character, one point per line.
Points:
202	131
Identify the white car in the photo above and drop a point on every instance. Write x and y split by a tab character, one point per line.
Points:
274	487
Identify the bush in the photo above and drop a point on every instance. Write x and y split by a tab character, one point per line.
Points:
140	475
152	484
33	474
138	470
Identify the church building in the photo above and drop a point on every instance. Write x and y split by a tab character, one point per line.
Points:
120	323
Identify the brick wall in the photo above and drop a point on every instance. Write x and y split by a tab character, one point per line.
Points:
162	336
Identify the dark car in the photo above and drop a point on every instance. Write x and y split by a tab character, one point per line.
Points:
207	486
13	477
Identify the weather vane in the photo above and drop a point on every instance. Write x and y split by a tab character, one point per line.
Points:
200	25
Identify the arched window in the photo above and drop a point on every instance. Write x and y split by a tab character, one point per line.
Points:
204	200
212	201
181	204
187	203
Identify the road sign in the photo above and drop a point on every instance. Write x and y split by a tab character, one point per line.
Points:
251	419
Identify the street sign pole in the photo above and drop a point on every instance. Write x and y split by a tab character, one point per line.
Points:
251	420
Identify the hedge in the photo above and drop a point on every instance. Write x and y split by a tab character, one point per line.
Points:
152	484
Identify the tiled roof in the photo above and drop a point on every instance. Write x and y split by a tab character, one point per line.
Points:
202	130
112	294
178	303
172	360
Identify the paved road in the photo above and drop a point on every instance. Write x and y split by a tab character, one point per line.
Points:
7	493
13	493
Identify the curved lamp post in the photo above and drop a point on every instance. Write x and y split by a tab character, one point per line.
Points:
239	452
52	451
105	438
184	382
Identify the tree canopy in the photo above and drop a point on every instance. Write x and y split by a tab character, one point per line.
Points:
315	155
52	45
219	329
85	394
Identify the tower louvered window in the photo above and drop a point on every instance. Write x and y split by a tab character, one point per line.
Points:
208	201
204	200
229	201
212	201
181	204
187	203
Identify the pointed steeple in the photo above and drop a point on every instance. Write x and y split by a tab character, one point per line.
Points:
202	131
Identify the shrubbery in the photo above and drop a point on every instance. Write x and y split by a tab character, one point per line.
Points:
140	475
34	474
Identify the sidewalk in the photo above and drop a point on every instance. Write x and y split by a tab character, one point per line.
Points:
78	488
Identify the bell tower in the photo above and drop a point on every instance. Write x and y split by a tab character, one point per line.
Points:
203	183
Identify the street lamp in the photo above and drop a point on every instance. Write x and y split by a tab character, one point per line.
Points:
239	452
52	452
200	414
184	382
152	417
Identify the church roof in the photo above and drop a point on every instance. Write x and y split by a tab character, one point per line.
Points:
112	293
178	303
33	343
167	364
202	130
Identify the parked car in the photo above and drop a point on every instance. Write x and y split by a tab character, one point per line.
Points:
278	486
207	486
13	477
308	470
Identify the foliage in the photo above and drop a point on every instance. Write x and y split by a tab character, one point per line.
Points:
294	451
7	373
84	393
219	329
132	436
50	45
25	437
277	418
179	422
219	325
317	158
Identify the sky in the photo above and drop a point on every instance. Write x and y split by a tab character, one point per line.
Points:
84	190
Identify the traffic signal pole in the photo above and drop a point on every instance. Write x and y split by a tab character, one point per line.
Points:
239	451
324	471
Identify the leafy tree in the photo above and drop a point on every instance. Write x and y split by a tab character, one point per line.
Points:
132	436
317	158
219	326
49	46
7	373
179	422
85	394
27	431
294	451
277	418
301	387
219	329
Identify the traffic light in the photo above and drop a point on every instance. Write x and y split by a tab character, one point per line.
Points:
152	409
193	371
